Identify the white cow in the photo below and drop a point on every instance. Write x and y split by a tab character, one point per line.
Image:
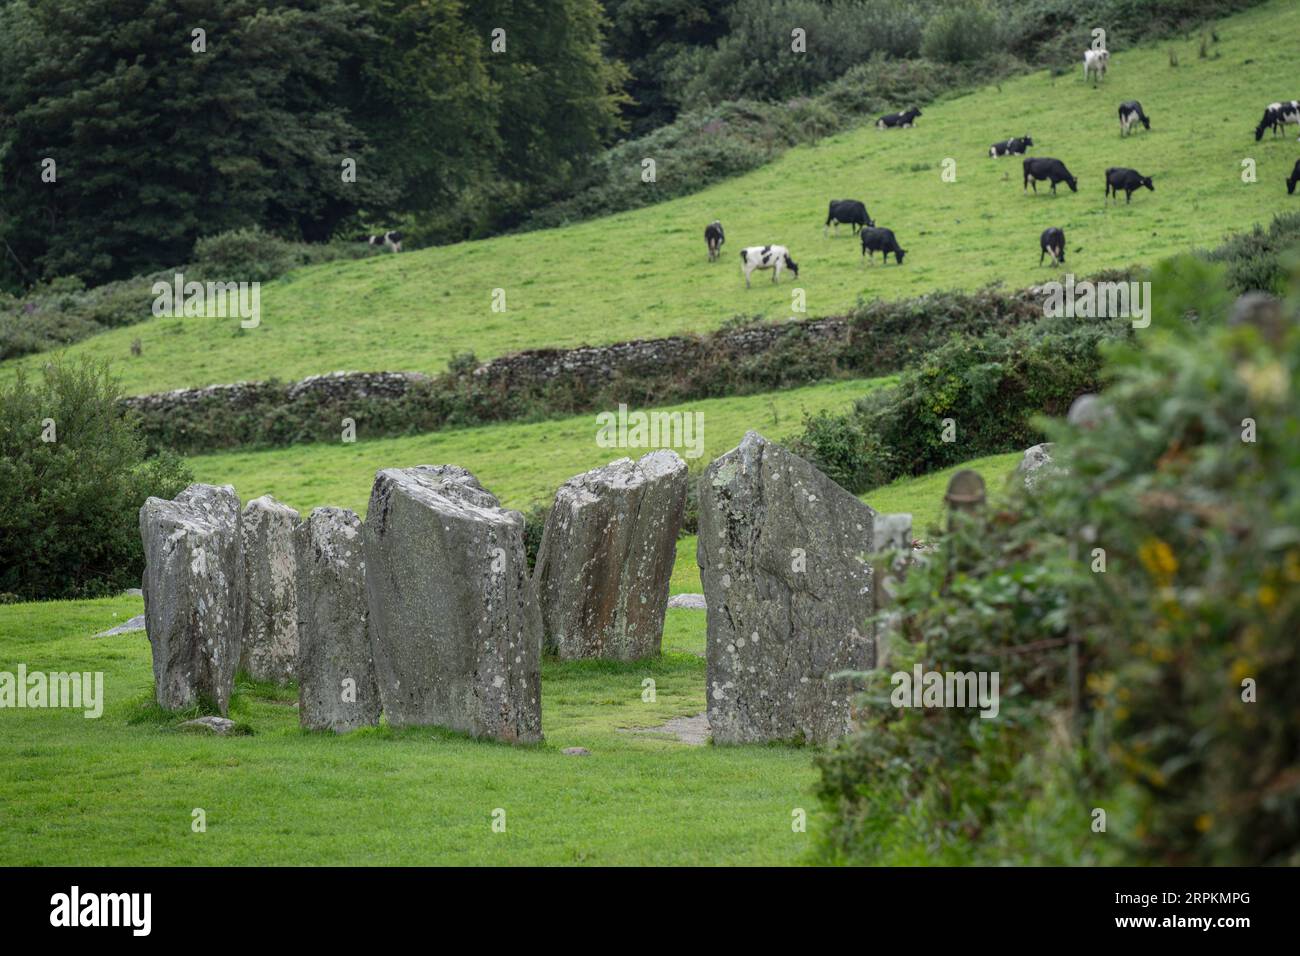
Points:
775	258
1095	62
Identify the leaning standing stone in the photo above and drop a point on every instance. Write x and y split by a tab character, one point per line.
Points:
269	650
783	554
193	595
336	670
454	623
606	558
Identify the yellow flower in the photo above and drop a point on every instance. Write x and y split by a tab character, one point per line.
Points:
1266	381
1204	822
1158	558
1241	669
1266	596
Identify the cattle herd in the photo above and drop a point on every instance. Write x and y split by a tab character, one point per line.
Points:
853	212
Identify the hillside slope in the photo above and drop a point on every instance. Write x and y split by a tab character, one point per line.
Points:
644	273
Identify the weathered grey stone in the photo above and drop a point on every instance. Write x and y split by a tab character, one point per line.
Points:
132	624
891	532
193	594
783	554
222	726
454	622
576	752
606	558
337	689
1036	464
1087	411
694	602
269	650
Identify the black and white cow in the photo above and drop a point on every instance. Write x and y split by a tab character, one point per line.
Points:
847	211
881	240
1009	146
1095	62
1044	167
1130	114
1293	179
1052	243
1129	180
1277	116
893	120
714	237
390	240
775	258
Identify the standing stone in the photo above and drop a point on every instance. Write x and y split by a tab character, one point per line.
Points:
193	595
1036	464
269	650
454	622
784	558
606	558
336	669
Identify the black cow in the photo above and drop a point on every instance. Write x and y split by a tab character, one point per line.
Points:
1130	114
1119	177
882	241
849	212
714	237
1043	167
892	120
1052	242
1009	146
1276	116
1293	179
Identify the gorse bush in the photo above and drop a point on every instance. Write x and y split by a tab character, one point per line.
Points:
961	33
73	475
1140	606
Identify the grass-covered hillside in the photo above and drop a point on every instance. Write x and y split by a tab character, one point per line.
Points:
644	273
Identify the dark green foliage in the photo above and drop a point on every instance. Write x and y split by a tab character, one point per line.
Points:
69	508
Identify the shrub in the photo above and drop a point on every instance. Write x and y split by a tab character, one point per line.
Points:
961	33
73	476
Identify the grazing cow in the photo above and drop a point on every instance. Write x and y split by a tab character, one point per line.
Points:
389	240
775	258
1009	146
1052	243
882	241
714	237
892	120
1044	167
1095	63
1119	177
848	211
1293	179
1130	114
1276	116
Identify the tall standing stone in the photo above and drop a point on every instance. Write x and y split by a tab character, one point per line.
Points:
454	622
784	558
269	650
193	594
606	558
336	669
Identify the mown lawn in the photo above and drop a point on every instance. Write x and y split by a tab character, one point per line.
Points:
121	789
645	273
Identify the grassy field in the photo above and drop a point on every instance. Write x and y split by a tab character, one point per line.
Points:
121	789
644	273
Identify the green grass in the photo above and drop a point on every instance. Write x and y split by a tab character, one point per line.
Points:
120	789
644	273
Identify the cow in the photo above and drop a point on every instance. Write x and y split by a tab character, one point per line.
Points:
775	258
881	240
1095	62
1052	242
1130	114
392	241
848	211
1293	179
714	237
1044	167
1129	180
1009	146
1276	116
893	120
